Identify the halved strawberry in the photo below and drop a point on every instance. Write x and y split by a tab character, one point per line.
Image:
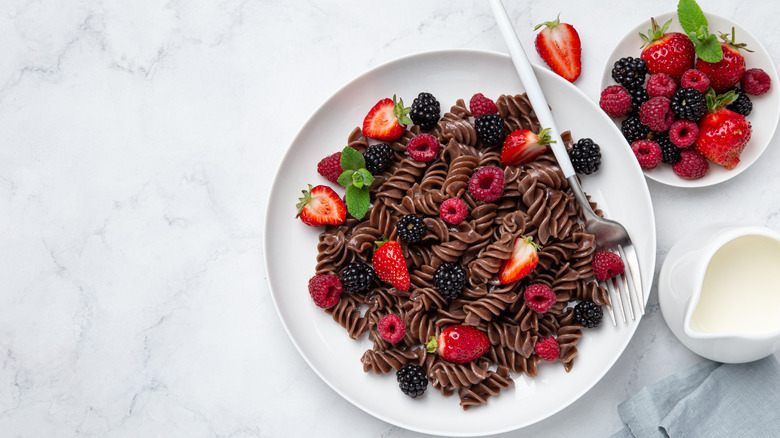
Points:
459	344
390	265
387	120
559	46
321	205
522	261
523	145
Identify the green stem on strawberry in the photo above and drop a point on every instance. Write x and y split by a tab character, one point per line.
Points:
717	102
432	344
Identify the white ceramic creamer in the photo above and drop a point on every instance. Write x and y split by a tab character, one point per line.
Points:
719	291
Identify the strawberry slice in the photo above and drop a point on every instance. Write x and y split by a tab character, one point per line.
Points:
390	265
559	46
387	120
321	205
459	344
523	145
522	261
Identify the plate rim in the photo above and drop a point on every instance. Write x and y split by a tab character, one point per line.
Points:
701	182
649	277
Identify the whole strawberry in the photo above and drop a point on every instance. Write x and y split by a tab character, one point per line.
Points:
559	46
459	344
723	134
669	53
390	265
727	72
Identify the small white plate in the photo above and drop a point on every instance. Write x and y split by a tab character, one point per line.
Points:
766	108
291	246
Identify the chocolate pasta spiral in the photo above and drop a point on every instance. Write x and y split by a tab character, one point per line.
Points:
537	203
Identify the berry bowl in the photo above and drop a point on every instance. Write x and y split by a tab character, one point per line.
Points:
766	107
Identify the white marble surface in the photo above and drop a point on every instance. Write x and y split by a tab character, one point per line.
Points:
138	141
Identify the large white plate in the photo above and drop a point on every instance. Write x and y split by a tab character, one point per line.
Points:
766	108
290	246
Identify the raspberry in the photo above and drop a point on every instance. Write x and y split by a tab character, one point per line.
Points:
454	210
391	328
548	349
615	101
661	84
539	297
325	290
647	152
755	81
330	167
588	313
606	264
479	105
695	79
683	133
423	147
412	380
657	114
692	165
487	184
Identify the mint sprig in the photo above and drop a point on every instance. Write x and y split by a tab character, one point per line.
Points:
357	180
694	23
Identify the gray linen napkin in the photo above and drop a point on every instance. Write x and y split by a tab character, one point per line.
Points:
708	400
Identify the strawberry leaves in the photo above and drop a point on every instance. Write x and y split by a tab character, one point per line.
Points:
694	23
357	180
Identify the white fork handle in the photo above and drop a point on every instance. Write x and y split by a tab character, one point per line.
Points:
531	84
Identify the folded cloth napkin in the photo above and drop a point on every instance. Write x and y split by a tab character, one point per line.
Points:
709	399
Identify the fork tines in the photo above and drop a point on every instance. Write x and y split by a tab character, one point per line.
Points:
621	288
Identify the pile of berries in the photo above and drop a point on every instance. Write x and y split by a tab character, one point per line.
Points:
677	109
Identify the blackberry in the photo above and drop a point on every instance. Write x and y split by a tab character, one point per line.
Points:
425	110
357	277
629	72
412	380
638	97
411	228
490	129
449	278
670	153
633	129
588	313
585	156
378	158
742	105
689	104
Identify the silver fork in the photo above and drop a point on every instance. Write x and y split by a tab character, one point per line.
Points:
610	235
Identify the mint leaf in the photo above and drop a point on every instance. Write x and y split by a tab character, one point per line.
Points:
368	179
709	49
358	201
351	159
357	180
691	16
345	179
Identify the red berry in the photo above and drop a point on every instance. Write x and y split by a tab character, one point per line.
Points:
683	133
723	135
390	265
727	72
755	81
391	328
606	264
539	297
325	290
423	147
487	184
548	349
560	47
648	153
330	167
657	114
459	344
321	205
660	84
387	120
453	210
615	100
696	79
692	165
671	53
479	105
